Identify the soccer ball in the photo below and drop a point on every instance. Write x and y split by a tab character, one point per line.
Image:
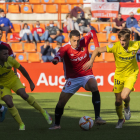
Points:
86	123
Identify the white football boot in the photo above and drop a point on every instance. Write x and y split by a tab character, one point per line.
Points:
127	113
120	123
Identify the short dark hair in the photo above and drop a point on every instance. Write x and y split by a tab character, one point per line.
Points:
1	10
74	33
124	33
3	47
24	25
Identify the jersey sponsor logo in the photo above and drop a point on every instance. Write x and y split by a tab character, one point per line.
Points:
4	74
127	58
120	53
79	58
110	46
72	54
133	52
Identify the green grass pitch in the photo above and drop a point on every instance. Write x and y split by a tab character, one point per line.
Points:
78	106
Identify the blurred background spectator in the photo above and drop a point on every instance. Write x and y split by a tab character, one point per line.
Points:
39	33
5	23
82	24
68	24
58	46
136	29
26	34
54	33
47	52
131	21
119	24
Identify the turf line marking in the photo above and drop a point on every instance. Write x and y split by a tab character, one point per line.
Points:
83	94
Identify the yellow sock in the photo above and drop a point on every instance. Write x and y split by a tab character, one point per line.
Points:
119	111
126	104
15	114
31	100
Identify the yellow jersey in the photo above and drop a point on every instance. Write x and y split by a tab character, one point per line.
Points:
6	73
125	60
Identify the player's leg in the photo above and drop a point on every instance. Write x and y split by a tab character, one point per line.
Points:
3	111
91	85
119	107
32	101
14	112
63	99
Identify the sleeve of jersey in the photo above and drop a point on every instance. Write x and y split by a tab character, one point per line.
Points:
111	48
15	63
92	35
59	55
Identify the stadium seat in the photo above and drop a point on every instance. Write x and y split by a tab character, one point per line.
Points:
30	26
2	6
46	1
95	26
65	9
65	37
34	1
11	38
41	25
26	9
71	1
54	45
13	8
17	47
38	9
39	46
21	57
75	5
91	47
59	1
80	1
29	47
109	57
101	37
99	59
104	44
16	28
113	37
33	57
3	37
51	9
102	27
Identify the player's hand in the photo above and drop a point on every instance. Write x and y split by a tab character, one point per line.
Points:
32	86
2	25
54	61
87	65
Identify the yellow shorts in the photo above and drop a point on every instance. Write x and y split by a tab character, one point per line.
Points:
128	82
14	85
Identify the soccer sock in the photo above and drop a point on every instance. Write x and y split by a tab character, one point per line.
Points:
58	114
96	103
119	111
15	114
126	104
31	100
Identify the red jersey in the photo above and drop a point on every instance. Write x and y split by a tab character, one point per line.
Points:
74	59
38	30
9	48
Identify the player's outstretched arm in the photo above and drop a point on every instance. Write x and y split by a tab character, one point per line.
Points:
26	75
97	51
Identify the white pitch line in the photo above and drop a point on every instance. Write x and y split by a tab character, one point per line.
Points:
83	94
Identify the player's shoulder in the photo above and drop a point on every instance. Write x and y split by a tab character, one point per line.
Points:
4	43
134	44
10	59
66	45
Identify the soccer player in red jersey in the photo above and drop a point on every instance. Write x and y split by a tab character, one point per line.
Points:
75	54
3	109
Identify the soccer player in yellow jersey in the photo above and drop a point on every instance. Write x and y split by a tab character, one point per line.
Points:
126	71
9	80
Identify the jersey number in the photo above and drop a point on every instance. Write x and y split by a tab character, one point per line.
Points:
117	82
68	83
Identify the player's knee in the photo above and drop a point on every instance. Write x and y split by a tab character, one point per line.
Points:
123	96
118	102
9	104
93	88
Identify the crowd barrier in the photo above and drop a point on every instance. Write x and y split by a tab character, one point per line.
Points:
50	78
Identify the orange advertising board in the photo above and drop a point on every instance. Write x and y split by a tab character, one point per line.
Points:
50	78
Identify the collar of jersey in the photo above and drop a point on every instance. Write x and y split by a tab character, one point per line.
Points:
72	47
127	48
